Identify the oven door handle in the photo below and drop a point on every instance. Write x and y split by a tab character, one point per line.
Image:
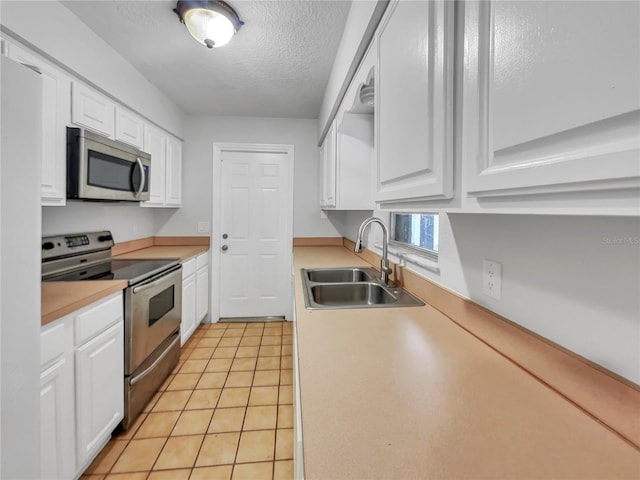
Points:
146	371
155	280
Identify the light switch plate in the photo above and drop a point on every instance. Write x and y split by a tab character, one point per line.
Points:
203	227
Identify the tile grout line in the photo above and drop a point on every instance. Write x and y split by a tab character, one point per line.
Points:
190	347
179	415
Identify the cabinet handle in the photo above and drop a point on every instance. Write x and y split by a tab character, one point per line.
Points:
225	248
153	281
143	374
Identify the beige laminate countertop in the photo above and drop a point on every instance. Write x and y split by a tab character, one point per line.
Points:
398	393
62	298
165	251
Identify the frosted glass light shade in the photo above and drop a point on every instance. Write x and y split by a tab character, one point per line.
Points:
208	27
211	22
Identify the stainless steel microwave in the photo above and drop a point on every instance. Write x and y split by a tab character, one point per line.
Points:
99	168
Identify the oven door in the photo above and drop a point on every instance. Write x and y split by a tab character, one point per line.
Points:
153	311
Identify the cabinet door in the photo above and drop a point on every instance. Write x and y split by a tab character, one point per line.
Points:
202	296
57	403
174	172
414	102
99	391
57	436
92	110
188	324
155	141
56	101
551	99
129	128
328	177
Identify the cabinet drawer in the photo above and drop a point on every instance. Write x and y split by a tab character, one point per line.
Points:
188	268
53	341
202	260
98	317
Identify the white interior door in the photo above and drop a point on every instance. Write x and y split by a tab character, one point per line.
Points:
255	239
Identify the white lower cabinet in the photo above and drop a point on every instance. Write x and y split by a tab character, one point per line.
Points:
202	285
99	391
188	324
57	403
81	386
195	294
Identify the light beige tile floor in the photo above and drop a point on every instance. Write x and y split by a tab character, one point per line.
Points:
225	412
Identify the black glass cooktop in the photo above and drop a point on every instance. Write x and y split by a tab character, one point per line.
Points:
134	271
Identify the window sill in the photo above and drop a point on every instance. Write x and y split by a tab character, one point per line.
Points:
402	257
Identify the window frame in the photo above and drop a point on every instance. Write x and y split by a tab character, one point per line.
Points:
421	251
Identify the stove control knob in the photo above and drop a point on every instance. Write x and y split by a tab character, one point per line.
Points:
48	245
105	238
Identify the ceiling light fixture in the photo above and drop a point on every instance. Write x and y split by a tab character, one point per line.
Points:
211	22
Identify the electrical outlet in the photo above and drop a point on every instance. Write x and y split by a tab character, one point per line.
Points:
492	279
203	227
323	215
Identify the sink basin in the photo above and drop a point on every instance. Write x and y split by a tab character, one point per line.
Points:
351	287
351	294
339	275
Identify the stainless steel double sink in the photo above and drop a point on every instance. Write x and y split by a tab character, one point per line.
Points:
351	287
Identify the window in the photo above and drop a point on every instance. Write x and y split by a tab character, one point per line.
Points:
416	231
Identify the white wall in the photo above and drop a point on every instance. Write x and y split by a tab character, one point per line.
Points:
127	221
203	132
573	280
54	30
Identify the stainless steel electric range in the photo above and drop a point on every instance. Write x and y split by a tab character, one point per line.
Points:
152	307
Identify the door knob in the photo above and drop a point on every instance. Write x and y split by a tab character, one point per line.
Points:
225	248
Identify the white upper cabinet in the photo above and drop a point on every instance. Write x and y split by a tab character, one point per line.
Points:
551	102
56	98
353	176
155	144
165	186
414	103
173	196
328	169
90	109
129	128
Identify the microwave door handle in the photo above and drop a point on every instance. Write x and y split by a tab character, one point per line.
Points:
142	174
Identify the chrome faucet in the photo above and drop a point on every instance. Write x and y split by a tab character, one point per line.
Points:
384	263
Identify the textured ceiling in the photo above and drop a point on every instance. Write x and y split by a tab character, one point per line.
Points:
277	65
